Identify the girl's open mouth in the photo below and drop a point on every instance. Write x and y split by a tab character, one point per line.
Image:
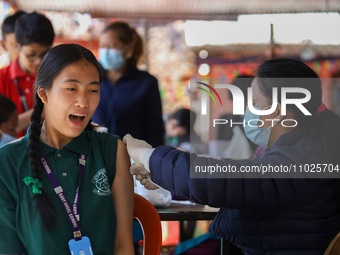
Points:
77	119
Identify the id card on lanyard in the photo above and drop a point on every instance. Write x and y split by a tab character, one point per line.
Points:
79	245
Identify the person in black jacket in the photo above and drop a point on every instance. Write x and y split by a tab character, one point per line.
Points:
130	101
291	214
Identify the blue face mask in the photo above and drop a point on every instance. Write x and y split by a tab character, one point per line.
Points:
111	59
257	135
6	139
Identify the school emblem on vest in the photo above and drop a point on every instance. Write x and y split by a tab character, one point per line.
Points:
101	183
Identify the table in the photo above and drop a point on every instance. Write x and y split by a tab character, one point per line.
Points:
188	211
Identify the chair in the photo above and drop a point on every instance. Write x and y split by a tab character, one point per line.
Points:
148	217
334	247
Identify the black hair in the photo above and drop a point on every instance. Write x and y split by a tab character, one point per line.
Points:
7	107
53	63
34	28
8	24
185	118
243	82
325	125
128	34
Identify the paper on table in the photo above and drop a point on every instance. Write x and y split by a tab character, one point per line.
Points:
183	202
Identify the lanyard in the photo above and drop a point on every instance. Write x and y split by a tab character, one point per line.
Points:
73	214
22	96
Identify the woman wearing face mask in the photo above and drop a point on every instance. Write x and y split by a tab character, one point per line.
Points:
130	101
8	120
264	215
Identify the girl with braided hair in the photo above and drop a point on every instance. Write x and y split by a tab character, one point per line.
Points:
65	187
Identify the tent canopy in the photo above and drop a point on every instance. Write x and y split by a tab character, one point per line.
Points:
177	9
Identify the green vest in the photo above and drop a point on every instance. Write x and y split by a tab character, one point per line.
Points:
21	229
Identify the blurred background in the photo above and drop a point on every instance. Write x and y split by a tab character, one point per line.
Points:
204	39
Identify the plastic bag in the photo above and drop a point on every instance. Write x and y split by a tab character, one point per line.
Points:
158	197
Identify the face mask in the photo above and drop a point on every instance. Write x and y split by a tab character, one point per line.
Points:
111	59
257	135
6	139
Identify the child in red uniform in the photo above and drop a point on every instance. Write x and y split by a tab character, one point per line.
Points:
34	34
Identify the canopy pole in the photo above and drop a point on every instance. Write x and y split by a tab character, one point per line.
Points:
272	43
146	41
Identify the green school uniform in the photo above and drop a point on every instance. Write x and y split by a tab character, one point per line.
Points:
21	229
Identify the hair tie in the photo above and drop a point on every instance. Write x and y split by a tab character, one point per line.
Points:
36	184
321	108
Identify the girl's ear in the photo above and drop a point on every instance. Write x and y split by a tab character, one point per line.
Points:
42	94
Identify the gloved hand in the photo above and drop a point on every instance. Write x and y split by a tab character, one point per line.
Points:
137	149
146	181
139	171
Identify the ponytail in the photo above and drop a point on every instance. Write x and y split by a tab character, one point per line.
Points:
137	51
44	204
